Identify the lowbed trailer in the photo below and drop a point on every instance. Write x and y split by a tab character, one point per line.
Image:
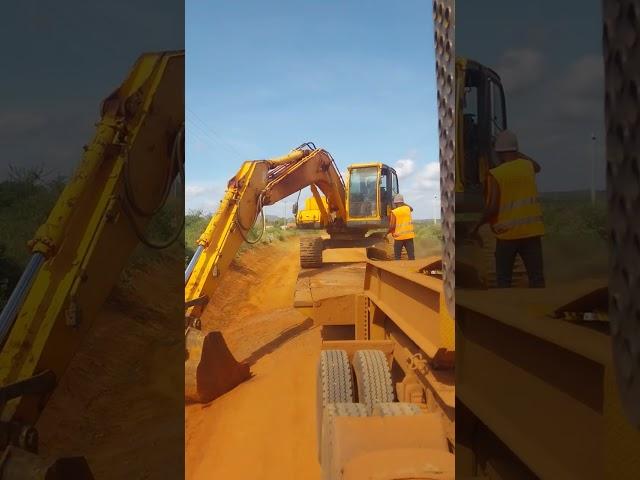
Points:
386	382
535	385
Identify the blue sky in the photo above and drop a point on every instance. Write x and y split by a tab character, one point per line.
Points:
553	73
63	60
357	79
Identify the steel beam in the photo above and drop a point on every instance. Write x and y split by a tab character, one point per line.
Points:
413	301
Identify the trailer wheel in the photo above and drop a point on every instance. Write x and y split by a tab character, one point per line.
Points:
330	412
373	377
396	409
311	252
334	382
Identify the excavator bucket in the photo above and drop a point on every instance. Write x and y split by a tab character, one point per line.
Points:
18	464
211	370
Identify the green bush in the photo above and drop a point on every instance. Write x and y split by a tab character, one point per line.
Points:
574	216
196	221
428	230
26	198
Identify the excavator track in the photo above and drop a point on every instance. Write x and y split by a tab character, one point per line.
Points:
311	252
488	272
477	264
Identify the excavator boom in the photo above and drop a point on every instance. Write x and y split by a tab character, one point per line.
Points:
257	184
124	178
210	368
92	228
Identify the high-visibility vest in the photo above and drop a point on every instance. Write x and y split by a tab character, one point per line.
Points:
519	214
404	226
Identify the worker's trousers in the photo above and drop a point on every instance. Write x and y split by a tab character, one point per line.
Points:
530	250
408	246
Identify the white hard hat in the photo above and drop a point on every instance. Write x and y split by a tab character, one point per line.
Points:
506	141
398	198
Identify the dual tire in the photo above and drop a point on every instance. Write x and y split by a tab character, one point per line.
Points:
339	385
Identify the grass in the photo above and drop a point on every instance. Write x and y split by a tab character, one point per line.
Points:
428	236
27	197
575	244
572	216
428	239
575	228
197	221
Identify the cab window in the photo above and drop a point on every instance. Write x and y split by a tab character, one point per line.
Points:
363	186
385	184
498	117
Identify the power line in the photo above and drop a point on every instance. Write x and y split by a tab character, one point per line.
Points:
193	133
206	128
203	134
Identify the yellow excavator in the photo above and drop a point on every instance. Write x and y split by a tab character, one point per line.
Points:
357	215
590	324
124	179
309	216
480	114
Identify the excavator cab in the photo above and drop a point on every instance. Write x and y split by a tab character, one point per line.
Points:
370	190
481	115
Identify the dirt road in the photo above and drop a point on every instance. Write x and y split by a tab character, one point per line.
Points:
264	428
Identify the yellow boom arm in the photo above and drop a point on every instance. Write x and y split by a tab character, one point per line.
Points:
97	221
257	184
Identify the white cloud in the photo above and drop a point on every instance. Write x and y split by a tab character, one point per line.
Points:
203	196
584	76
404	167
579	92
520	68
429	176
422	191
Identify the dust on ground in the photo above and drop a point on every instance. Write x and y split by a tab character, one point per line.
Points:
120	402
264	428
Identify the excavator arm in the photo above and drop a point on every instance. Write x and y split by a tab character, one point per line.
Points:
124	178
210	368
318	170
257	184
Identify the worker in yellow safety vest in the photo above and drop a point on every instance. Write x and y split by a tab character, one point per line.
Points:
401	228
512	209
